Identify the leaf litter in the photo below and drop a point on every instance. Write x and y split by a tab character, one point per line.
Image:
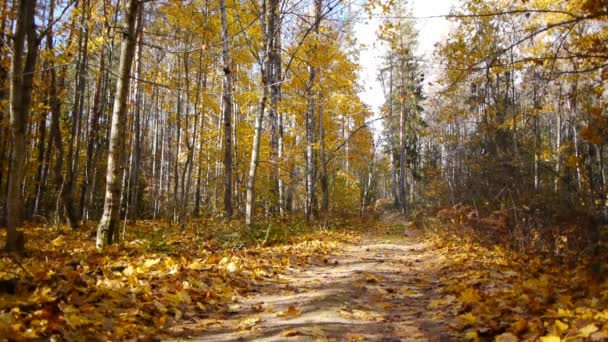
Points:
67	290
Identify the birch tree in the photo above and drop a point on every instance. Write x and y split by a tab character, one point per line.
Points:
107	231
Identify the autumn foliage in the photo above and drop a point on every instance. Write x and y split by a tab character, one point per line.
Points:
159	278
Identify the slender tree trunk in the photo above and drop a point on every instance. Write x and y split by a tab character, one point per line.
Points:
191	145
269	85
274	75
537	140
4	129
107	231
558	146
56	140
310	124
40	174
42	136
93	136
68	188
199	181
275	98
402	144
139	93
322	154
21	82
255	150
227	112
397	201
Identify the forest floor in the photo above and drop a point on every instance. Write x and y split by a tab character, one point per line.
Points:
377	289
360	280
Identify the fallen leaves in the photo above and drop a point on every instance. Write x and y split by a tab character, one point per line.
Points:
506	337
495	293
151	284
470	296
588	330
292	333
249	323
291	312
360	315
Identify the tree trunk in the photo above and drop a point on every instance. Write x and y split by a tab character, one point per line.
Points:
41	172
68	188
274	75
107	231
22	77
93	136
139	92
4	129
310	125
227	113
322	154
199	181
255	150
402	144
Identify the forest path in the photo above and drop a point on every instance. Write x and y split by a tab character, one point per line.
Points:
378	289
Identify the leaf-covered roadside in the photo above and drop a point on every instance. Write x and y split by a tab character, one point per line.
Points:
142	287
489	293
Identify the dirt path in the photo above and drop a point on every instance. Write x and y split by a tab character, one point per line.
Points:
376	290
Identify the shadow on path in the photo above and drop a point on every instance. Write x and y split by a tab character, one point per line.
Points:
377	290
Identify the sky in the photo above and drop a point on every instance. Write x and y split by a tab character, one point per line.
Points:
431	30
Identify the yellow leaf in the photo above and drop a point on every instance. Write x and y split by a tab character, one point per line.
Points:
291	312
411	293
564	312
59	241
468	318
196	265
506	337
292	333
588	330
602	316
128	271
356	338
75	320
249	323
151	262
560	327
201	306
472	335
470	296
550	338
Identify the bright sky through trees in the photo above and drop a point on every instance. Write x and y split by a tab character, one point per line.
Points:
431	31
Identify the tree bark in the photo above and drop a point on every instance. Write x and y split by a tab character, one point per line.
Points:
402	144
67	191
253	164
4	130
137	148
274	75
227	113
107	231
310	125
93	136
322	154
21	81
